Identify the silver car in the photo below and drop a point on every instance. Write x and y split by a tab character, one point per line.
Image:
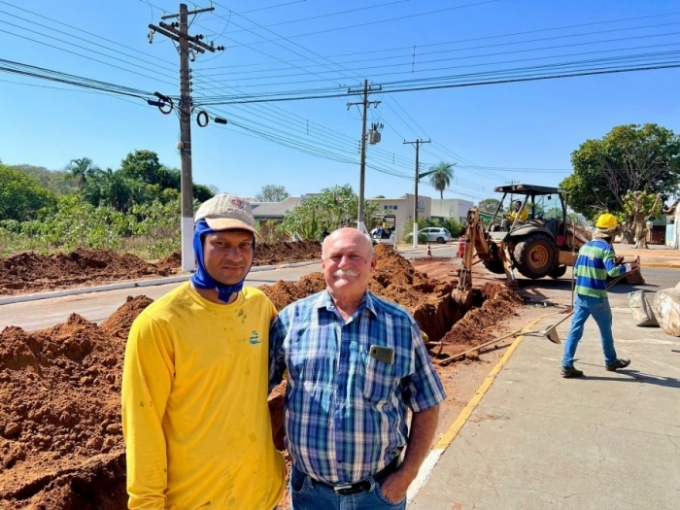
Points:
439	235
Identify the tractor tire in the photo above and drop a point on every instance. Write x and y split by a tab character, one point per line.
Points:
558	272
440	240
535	256
495	266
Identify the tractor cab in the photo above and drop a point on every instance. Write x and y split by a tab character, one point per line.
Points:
527	209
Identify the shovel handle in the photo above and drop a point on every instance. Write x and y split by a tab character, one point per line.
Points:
572	311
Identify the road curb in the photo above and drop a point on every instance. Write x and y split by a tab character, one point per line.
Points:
22	298
132	284
447	438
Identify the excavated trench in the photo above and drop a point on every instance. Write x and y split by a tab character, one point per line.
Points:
61	446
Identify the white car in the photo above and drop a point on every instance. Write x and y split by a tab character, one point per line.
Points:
439	235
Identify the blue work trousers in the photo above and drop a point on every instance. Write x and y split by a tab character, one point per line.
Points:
584	307
306	494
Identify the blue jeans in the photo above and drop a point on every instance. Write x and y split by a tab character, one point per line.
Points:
585	306
309	495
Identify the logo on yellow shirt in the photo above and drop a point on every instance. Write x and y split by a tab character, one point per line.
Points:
254	338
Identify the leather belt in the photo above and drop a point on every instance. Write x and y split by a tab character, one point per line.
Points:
364	485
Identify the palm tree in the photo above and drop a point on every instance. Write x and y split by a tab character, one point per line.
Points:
80	170
440	177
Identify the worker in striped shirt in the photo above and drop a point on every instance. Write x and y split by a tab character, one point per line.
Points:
356	365
596	260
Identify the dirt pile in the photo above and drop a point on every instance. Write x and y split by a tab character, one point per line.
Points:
394	279
61	444
479	324
60	435
30	272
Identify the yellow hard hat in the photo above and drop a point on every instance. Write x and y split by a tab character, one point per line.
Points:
606	221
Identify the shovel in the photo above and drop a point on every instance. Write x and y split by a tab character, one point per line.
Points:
551	331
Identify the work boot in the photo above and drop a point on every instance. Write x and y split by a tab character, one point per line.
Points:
569	372
620	363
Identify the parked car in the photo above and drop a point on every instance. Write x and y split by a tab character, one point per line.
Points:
439	235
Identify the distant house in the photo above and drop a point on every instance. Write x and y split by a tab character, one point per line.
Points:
403	209
673	225
270	214
451	208
263	211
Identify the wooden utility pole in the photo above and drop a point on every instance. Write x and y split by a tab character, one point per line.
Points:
362	164
187	46
417	144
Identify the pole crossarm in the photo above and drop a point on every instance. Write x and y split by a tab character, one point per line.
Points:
365	103
178	31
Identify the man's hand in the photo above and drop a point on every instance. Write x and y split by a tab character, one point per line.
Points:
635	264
394	487
618	260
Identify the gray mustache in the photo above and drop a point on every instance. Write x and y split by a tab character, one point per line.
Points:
345	272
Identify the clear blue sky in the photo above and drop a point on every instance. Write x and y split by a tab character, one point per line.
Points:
288	45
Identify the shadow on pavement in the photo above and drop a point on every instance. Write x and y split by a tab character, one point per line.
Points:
636	376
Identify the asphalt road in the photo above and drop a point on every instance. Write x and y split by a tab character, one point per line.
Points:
97	306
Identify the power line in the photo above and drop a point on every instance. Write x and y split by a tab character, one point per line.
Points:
398	88
320	16
388	20
375	51
409	59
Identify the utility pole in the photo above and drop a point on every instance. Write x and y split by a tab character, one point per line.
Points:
362	165
417	144
188	46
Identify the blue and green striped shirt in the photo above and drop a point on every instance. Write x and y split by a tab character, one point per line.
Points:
595	262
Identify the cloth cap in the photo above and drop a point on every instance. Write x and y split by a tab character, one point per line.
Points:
226	212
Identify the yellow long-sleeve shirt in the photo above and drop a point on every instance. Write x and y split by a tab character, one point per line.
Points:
523	215
195	415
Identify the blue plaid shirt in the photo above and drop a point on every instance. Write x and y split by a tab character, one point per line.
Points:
346	411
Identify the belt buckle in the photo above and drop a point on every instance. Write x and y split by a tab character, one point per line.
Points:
339	488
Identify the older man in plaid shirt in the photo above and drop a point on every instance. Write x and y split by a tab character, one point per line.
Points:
356	365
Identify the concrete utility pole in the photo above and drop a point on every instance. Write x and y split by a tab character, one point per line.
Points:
417	144
362	165
188	45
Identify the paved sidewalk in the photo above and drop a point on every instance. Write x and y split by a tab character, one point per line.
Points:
538	441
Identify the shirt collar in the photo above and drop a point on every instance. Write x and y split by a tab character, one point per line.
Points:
326	301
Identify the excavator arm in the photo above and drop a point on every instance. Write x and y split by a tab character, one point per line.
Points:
478	246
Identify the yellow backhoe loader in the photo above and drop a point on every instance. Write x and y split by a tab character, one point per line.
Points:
535	238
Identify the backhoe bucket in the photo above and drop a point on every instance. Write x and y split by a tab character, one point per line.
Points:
462	298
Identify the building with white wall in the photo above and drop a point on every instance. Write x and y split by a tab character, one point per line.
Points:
455	208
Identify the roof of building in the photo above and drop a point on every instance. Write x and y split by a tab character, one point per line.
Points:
274	210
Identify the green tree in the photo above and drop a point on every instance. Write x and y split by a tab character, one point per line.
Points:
114	189
158	224
57	181
80	170
441	176
272	193
144	166
22	197
489	205
629	158
331	209
641	206
202	192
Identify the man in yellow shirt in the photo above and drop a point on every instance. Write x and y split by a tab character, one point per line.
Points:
518	211
195	416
